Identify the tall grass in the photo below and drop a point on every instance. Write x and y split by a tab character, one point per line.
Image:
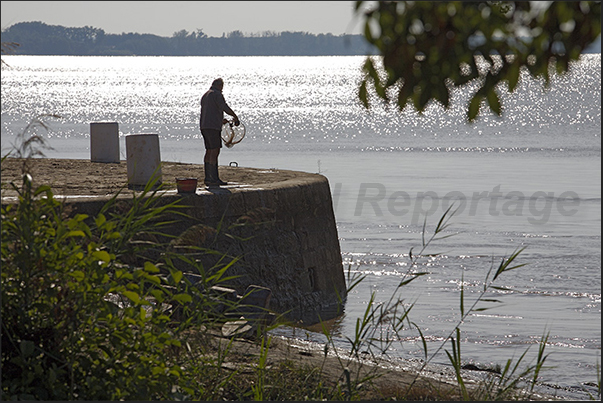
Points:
386	323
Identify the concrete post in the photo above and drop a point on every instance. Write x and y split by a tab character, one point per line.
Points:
104	142
143	159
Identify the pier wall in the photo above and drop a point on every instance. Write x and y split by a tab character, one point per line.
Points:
281	233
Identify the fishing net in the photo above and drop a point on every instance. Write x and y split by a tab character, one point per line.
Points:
232	134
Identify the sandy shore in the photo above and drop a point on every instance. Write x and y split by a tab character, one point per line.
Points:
72	177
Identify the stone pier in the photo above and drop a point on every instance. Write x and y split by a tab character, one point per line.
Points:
278	225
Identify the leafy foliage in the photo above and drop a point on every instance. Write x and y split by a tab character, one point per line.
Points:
429	48
78	322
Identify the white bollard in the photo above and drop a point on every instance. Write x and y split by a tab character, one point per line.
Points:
143	159
104	142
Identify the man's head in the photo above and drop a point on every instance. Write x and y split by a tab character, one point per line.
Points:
218	83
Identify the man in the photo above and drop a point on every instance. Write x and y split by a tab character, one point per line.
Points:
211	120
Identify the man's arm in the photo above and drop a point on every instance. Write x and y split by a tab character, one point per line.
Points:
224	106
231	113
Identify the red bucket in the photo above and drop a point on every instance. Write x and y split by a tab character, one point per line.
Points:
186	185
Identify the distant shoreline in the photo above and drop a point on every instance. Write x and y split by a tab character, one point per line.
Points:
37	38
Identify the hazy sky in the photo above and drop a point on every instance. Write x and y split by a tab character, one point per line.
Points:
163	18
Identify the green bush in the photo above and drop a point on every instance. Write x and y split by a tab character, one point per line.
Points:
78	322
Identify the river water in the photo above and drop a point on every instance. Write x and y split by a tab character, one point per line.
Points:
529	179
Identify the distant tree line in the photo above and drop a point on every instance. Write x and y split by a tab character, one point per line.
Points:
37	38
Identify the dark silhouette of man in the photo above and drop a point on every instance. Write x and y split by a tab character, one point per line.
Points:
213	107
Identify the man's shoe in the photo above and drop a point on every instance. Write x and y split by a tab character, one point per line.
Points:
216	177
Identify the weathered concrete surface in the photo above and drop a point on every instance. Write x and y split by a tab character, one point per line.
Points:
279	224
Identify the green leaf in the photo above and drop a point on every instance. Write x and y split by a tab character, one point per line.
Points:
80	217
100	220
177	276
78	275
133	286
158	294
513	76
42	189
402	98
474	107
153	279
367	32
102	255
494	101
363	95
369	67
114	235
150	267
182	298
132	296
175	370
75	233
